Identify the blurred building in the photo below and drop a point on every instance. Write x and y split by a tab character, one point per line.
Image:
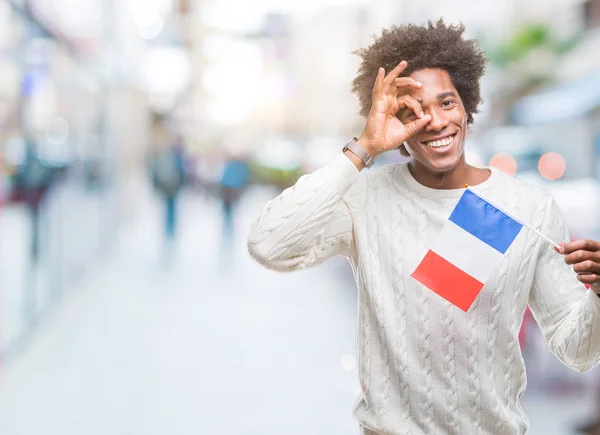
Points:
78	84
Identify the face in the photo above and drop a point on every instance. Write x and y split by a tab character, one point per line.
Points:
438	147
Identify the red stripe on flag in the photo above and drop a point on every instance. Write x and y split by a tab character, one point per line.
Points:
447	280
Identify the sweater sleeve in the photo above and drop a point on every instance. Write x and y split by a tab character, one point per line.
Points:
567	313
308	222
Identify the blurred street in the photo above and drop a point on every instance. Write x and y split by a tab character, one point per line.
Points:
193	348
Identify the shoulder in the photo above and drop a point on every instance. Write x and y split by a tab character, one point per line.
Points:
370	180
522	196
383	174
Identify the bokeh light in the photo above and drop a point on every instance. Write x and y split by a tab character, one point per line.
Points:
552	166
504	162
348	362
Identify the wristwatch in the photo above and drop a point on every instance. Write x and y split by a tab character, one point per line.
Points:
356	149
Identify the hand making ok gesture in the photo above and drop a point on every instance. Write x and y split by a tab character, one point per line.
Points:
384	131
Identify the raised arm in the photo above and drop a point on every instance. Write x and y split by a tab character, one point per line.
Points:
311	221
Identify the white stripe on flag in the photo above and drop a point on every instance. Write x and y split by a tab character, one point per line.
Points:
466	252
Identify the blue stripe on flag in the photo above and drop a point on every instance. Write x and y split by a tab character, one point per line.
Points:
480	218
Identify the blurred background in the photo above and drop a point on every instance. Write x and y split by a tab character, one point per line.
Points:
138	140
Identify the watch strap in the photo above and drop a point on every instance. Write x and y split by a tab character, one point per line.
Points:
356	149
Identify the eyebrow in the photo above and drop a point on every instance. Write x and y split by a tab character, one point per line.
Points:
441	96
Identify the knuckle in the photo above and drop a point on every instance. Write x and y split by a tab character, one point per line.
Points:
585	266
588	264
570	260
583	278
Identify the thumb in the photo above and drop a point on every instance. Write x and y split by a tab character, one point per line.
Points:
416	126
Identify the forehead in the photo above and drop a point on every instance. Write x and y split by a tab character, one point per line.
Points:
435	82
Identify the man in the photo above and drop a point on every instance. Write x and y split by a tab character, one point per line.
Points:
426	366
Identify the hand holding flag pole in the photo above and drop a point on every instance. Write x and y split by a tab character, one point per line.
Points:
584	256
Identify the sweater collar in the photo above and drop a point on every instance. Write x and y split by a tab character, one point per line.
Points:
404	173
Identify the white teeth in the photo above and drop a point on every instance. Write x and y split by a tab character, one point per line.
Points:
440	143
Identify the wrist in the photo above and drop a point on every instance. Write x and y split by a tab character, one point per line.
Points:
366	145
355	160
359	151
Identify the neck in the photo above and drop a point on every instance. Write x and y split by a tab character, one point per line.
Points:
455	178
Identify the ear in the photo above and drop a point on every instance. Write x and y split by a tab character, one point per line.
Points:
403	150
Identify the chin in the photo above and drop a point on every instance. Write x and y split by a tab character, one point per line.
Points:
438	163
441	164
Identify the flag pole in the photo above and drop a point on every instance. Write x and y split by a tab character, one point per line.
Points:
541	235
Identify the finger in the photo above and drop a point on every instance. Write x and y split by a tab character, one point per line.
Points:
589	279
404	82
587	266
388	82
393	75
580	256
408	101
561	247
414	127
378	86
586	245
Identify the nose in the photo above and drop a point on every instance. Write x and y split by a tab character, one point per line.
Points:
438	121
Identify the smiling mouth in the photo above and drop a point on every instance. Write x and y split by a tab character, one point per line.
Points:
441	142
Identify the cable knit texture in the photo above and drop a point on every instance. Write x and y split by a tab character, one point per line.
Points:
425	366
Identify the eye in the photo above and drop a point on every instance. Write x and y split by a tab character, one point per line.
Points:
448	103
405	116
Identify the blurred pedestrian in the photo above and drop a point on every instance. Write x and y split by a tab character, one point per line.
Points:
32	180
168	178
426	365
235	178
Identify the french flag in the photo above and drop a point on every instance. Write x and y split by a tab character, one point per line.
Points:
469	248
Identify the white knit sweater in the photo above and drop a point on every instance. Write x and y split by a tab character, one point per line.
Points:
426	366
